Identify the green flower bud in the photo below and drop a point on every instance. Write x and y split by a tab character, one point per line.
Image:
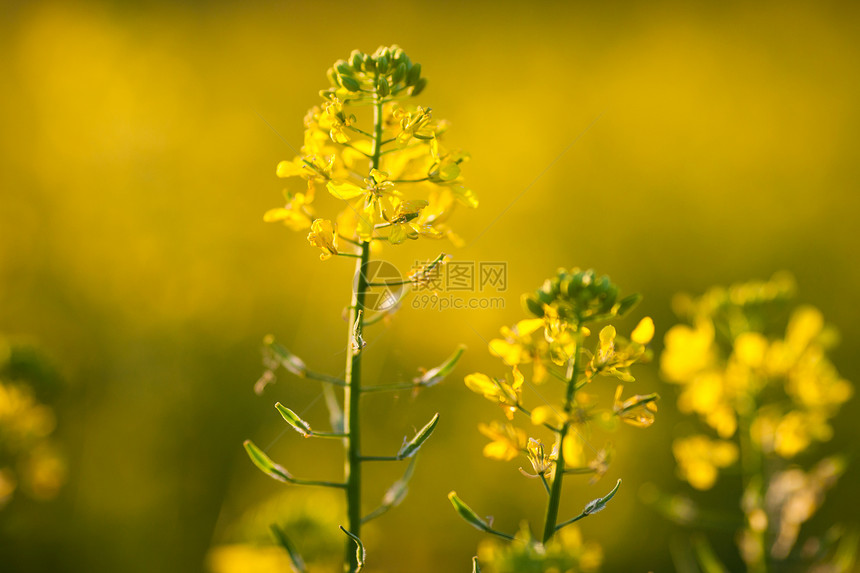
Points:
398	74
533	305
627	303
419	86
349	83
382	64
368	64
332	76
343	68
382	87
413	75
356	58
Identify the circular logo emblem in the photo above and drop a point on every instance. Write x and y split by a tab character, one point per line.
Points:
380	298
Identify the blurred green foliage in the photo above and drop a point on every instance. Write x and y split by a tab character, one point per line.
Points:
136	163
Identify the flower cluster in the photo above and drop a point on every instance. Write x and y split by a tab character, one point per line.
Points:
552	346
564	310
392	174
768	391
731	368
29	459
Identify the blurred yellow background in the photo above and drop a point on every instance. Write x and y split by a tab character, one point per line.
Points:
136	164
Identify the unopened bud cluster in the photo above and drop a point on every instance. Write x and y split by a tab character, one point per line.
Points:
388	71
578	296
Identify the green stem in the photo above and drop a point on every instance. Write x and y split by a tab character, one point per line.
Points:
572	520
558	475
753	486
352	391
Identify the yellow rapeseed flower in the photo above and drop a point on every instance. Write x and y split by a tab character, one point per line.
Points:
699	459
324	235
507	442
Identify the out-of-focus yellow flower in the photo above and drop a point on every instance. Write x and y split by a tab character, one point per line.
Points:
8	483
644	331
574	448
566	552
297	214
246	558
705	394
324	235
546	414
43	473
699	458
688	351
789	434
523	344
507	442
23	420
35	466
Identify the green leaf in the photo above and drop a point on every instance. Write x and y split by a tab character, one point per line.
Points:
467	513
344	189
266	464
435	375
360	553
599	504
294	420
409	448
282	539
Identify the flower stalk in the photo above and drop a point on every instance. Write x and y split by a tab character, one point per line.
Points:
336	155
554	500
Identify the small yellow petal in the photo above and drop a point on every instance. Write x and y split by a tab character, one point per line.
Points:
544	414
344	189
481	384
644	331
277	214
290	168
607	335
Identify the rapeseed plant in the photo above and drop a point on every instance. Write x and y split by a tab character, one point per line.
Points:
395	180
553	347
767	390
